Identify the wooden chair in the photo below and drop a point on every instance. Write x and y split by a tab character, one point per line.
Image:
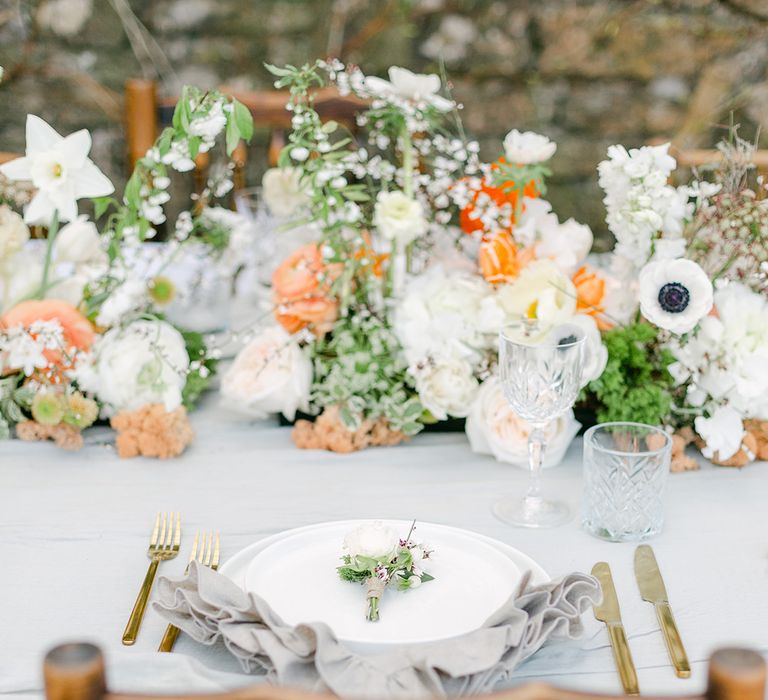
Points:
5	156
76	672
699	157
145	113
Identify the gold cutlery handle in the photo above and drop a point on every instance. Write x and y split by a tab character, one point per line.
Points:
623	658
674	642
169	638
137	614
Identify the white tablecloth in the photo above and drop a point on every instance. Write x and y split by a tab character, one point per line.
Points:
75	527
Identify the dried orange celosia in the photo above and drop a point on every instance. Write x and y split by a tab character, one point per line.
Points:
590	294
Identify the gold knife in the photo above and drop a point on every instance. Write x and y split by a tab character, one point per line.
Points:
609	612
652	590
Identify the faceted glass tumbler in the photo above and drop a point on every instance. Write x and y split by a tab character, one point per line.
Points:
625	474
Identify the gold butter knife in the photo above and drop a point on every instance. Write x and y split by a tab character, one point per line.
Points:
652	589
609	612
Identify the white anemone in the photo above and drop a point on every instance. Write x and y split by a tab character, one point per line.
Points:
415	87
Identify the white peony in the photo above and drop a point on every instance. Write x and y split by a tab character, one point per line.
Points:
269	375
144	362
412	87
372	540
13	232
527	147
399	218
723	433
282	191
446	386
78	242
493	428
675	294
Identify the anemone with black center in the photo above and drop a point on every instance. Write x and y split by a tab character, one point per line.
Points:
674	297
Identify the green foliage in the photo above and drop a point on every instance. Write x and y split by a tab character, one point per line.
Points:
15	403
636	385
202	368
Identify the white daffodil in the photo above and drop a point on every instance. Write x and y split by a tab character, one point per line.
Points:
60	170
414	87
675	294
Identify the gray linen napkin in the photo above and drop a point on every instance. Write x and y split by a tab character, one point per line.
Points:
208	606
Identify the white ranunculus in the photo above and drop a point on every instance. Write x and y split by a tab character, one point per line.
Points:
540	291
675	294
144	362
271	374
60	170
398	217
373	540
446	386
723	433
13	232
596	354
78	242
527	147
406	85
282	191
493	428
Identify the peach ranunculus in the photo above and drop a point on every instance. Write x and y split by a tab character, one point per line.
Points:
300	289
590	293
77	330
500	259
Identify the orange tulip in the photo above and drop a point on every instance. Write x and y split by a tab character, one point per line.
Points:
590	293
500	260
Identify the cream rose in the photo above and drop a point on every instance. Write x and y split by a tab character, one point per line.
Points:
398	217
373	540
282	191
79	242
144	362
13	232
270	375
494	429
446	386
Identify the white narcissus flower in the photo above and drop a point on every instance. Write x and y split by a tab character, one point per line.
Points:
723	433
79	242
145	362
283	192
60	170
527	147
446	386
373	540
13	232
414	87
675	294
398	217
494	429
269	375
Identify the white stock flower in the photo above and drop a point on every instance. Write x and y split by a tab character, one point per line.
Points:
283	192
209	126
527	147
398	217
675	294
79	242
144	362
13	232
494	429
446	386
60	170
372	540
723	433
269	375
406	85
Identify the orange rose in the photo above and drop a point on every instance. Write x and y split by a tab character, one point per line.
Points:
590	292
300	288
500	260
77	330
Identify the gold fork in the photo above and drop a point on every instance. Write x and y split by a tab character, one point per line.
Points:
207	556
164	544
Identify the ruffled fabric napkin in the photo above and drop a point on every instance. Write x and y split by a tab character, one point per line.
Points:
208	606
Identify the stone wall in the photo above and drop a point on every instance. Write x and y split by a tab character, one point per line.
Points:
587	73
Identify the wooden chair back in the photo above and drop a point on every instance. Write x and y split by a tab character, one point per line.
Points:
5	156
76	672
146	113
700	157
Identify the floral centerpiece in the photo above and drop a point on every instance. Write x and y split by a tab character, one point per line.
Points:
83	332
388	321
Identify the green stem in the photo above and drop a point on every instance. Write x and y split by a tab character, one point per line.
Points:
407	161
373	609
53	230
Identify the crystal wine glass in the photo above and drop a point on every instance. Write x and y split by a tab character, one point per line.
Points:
541	376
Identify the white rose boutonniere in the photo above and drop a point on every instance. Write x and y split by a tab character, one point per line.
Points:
398	217
494	429
527	147
270	375
282	191
13	232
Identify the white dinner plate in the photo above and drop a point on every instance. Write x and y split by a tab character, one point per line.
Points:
474	576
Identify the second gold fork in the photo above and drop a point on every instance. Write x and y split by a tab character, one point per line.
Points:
208	555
